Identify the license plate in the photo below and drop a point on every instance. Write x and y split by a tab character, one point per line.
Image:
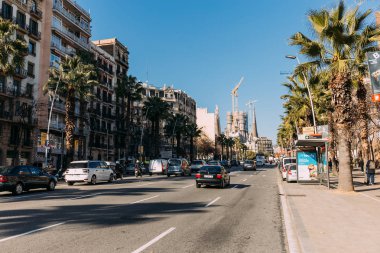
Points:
208	176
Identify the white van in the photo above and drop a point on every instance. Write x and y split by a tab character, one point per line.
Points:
158	166
285	161
89	172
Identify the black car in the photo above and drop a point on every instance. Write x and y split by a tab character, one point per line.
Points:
23	178
212	175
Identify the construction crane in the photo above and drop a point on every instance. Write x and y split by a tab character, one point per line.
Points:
234	95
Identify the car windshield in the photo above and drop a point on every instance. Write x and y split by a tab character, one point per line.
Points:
175	162
210	169
249	162
5	170
289	160
293	167
213	162
78	165
197	163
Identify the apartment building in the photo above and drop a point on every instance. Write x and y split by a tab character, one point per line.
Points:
67	31
120	54
180	103
18	92
101	109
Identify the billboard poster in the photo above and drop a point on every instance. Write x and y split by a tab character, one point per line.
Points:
374	70
307	165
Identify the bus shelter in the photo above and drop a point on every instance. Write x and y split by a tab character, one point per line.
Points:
312	157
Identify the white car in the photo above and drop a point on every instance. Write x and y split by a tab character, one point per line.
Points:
285	161
291	175
158	166
89	172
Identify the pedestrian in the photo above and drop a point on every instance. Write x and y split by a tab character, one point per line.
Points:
330	165
371	167
361	164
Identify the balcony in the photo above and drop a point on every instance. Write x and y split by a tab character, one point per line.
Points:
21	73
62	50
35	12
21	5
5	115
85	45
70	17
80	8
34	33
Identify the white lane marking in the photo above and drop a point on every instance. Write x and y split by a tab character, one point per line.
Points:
212	202
138	201
154	240
250	175
235	187
244	180
144	184
30	232
85	196
369	196
187	186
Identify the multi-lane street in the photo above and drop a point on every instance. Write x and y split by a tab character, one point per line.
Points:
152	214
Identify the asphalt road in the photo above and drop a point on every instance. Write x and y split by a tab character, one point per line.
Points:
152	214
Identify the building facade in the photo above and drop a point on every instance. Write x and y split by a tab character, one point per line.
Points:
209	123
18	92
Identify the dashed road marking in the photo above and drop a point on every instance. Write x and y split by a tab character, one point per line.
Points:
154	240
212	202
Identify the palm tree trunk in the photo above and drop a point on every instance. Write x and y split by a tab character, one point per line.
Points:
178	139
228	151
221	157
341	89
70	125
361	95
128	122
157	138
191	149
332	146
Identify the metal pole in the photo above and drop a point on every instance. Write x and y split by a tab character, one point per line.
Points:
142	132
310	97
62	143
49	120
175	124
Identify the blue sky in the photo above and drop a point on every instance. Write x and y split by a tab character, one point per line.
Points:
204	47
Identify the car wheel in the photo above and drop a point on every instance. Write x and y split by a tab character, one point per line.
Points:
19	188
70	183
197	185
168	175
150	174
111	178
51	186
93	180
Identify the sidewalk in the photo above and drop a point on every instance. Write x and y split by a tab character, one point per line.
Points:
329	221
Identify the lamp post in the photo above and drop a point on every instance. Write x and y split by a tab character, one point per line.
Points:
293	57
141	151
53	97
175	124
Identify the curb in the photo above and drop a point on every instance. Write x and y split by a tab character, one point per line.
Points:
290	231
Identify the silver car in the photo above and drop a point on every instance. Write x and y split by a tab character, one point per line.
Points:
196	165
178	166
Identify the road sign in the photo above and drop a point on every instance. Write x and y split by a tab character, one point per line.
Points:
374	70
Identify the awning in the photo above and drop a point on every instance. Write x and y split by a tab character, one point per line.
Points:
311	143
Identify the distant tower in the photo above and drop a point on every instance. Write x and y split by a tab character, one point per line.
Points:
251	105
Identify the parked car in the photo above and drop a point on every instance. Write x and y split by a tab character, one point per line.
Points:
234	163
196	165
249	165
291	175
23	178
178	166
214	162
212	175
259	163
286	160
89	172
225	163
158	166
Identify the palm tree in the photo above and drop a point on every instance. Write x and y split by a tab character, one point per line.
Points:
229	144
176	126
192	131
130	89
74	80
156	110
12	53
222	140
336	33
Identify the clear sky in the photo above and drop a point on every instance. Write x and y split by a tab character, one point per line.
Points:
204	47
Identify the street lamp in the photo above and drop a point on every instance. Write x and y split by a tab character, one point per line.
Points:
141	150
52	97
293	57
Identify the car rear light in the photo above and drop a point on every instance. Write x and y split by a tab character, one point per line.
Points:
289	172
85	170
3	179
219	176
197	175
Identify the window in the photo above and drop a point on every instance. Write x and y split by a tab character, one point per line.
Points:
32	48
56	22
29	90
31	69
33	27
33	5
54	60
35	171
16	87
7	11
14	135
21	20
2	84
